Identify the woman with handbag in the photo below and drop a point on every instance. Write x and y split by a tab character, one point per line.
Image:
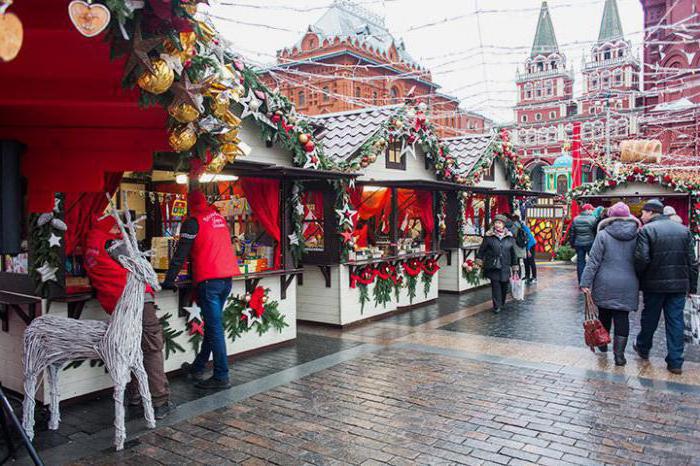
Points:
498	259
610	277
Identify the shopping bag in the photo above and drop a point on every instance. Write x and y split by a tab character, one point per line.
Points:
691	319
517	287
593	331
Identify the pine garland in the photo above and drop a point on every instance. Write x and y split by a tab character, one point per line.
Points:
297	208
41	227
169	336
364	296
254	310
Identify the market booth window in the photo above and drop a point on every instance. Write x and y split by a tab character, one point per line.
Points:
314	221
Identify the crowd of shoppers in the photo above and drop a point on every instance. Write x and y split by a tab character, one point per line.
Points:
655	256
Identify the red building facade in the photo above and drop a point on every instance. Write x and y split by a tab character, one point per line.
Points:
672	78
348	60
547	109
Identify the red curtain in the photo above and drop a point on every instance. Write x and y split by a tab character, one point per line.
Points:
263	197
502	205
82	208
424	202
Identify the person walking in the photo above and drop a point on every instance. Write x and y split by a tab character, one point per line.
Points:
666	264
108	278
516	227
498	260
205	237
610	277
583	231
530	265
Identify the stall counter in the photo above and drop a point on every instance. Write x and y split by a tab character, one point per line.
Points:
85	379
452	280
327	296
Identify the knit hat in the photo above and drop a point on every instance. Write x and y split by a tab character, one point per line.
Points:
668	210
654	205
501	218
587	207
620	209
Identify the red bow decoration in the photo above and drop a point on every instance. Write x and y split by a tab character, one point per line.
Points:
256	301
365	277
430	266
412	267
197	327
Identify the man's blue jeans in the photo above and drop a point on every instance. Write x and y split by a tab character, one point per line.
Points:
581	253
672	305
211	297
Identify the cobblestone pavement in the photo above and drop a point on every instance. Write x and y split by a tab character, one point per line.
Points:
447	383
406	407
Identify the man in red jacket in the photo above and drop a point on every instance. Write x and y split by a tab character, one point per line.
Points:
108	277
205	237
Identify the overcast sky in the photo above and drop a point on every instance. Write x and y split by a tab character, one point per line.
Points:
443	35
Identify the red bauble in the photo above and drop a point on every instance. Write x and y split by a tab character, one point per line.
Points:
276	118
309	146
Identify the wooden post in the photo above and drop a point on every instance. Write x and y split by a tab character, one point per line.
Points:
285	223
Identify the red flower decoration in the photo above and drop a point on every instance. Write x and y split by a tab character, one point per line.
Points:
197	327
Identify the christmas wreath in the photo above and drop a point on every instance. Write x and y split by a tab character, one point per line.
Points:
471	272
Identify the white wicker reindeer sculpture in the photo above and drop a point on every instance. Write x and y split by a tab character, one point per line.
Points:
51	341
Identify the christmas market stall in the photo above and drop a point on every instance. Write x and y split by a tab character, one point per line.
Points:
498	183
383	230
635	184
174	110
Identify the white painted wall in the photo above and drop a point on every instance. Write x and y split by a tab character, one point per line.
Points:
340	304
86	379
499	180
249	133
415	169
451	278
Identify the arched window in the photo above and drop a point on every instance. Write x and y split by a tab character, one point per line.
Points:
562	184
395	94
302	99
537	177
552	136
553	64
538	116
532	136
606	54
542	136
605	80
587	132
569	130
594	81
540	64
552	115
523	118
326	94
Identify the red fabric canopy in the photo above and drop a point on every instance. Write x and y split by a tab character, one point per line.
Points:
263	197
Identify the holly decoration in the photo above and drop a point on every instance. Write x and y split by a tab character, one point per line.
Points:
471	272
501	148
253	311
409	127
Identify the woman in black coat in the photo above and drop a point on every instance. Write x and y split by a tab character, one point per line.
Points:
498	258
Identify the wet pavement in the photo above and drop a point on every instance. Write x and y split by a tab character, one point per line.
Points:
448	383
553	315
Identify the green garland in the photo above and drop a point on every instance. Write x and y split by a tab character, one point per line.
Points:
236	322
41	228
297	208
501	148
427	280
169	336
342	202
382	291
364	296
411	283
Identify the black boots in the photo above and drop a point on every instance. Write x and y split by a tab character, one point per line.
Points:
619	345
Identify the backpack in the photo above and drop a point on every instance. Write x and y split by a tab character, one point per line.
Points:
521	237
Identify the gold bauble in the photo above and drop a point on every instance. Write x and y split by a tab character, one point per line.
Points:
218	164
186	50
160	80
372	158
184	112
182	138
303	138
230	150
230	136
